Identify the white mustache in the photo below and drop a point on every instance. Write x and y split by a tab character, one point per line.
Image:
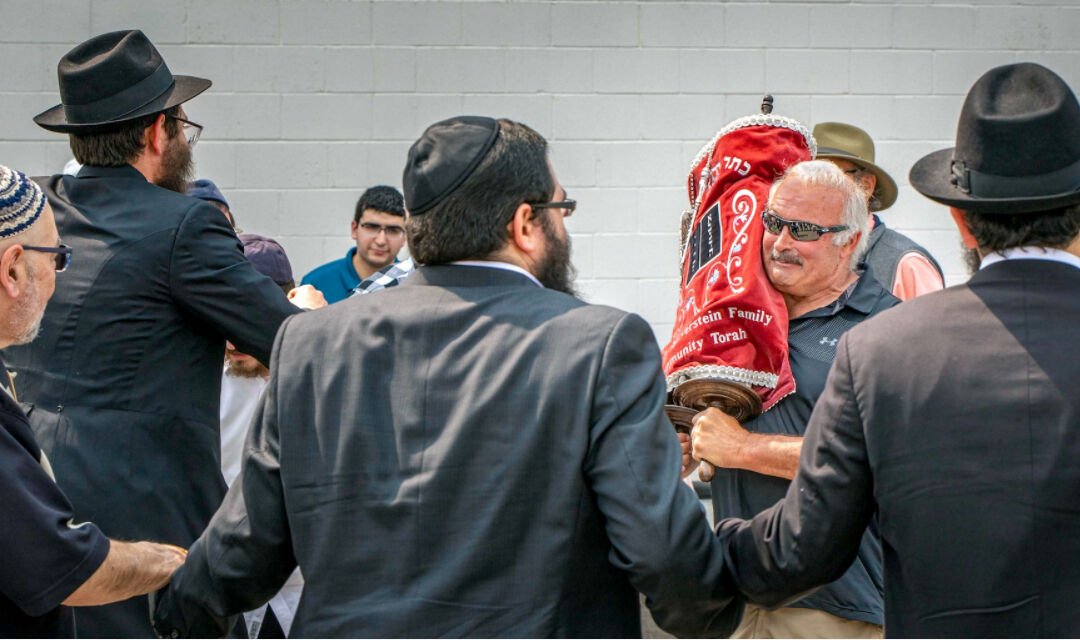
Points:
788	257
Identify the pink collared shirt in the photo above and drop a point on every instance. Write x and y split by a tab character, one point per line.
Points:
915	275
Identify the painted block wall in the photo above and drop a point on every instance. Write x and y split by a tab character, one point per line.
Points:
314	100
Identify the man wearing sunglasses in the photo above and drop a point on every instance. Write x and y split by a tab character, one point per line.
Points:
815	228
378	228
129	359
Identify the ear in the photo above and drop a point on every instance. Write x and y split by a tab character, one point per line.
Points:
961	225
156	138
354	226
869	183
853	242
525	231
12	271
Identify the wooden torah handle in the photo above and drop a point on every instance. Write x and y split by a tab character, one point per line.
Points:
692	396
682	418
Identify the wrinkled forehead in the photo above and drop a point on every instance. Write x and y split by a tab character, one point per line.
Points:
795	198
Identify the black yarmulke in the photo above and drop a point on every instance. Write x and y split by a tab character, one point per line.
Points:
447	153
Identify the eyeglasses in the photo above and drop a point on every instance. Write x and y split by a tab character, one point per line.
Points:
192	130
800	230
393	231
63	254
567	206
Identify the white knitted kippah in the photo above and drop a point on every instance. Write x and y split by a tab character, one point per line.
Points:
21	202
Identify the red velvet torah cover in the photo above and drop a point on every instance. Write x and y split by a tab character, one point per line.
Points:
731	324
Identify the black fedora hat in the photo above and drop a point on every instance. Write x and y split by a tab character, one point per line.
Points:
1017	146
115	77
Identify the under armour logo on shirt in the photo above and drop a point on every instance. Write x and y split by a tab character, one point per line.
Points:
829	341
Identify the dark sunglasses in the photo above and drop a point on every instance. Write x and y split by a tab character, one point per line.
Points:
567	206
801	231
63	254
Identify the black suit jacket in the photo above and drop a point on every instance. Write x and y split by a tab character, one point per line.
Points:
465	455
956	416
129	360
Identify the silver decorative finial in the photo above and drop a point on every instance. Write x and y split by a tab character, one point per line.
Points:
766	104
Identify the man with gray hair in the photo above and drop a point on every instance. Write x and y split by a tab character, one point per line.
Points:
816	227
50	563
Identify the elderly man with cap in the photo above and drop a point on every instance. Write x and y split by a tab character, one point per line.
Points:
901	265
472	453
131	346
48	561
955	417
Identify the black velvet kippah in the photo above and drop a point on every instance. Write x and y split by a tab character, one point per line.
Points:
447	153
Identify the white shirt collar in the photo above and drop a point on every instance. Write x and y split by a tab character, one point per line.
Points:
1030	253
495	264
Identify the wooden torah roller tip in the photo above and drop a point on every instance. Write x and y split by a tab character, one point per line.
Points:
739	402
681	417
683	420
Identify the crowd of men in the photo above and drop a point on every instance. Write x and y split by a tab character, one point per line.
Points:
477	452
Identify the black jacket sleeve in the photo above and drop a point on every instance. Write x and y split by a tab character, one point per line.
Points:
658	531
811	536
211	280
245	555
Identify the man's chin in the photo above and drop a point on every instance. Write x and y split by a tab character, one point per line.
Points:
781	270
378	261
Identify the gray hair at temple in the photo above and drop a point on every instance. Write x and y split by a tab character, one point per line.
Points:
855	214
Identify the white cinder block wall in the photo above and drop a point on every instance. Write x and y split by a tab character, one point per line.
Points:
314	100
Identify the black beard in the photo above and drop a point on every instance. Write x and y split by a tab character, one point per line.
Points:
555	271
177	167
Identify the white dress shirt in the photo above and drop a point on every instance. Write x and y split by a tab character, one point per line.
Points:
1030	253
240	398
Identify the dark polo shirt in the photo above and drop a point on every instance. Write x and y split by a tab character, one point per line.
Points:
336	279
44	558
812	339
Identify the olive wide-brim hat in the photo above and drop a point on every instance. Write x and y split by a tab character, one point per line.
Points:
840	141
1017	146
113	78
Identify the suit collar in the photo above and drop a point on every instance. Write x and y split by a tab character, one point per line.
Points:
1013	269
494	264
466	276
1031	253
126	171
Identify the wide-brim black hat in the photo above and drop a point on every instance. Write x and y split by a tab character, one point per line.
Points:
1017	146
113	78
